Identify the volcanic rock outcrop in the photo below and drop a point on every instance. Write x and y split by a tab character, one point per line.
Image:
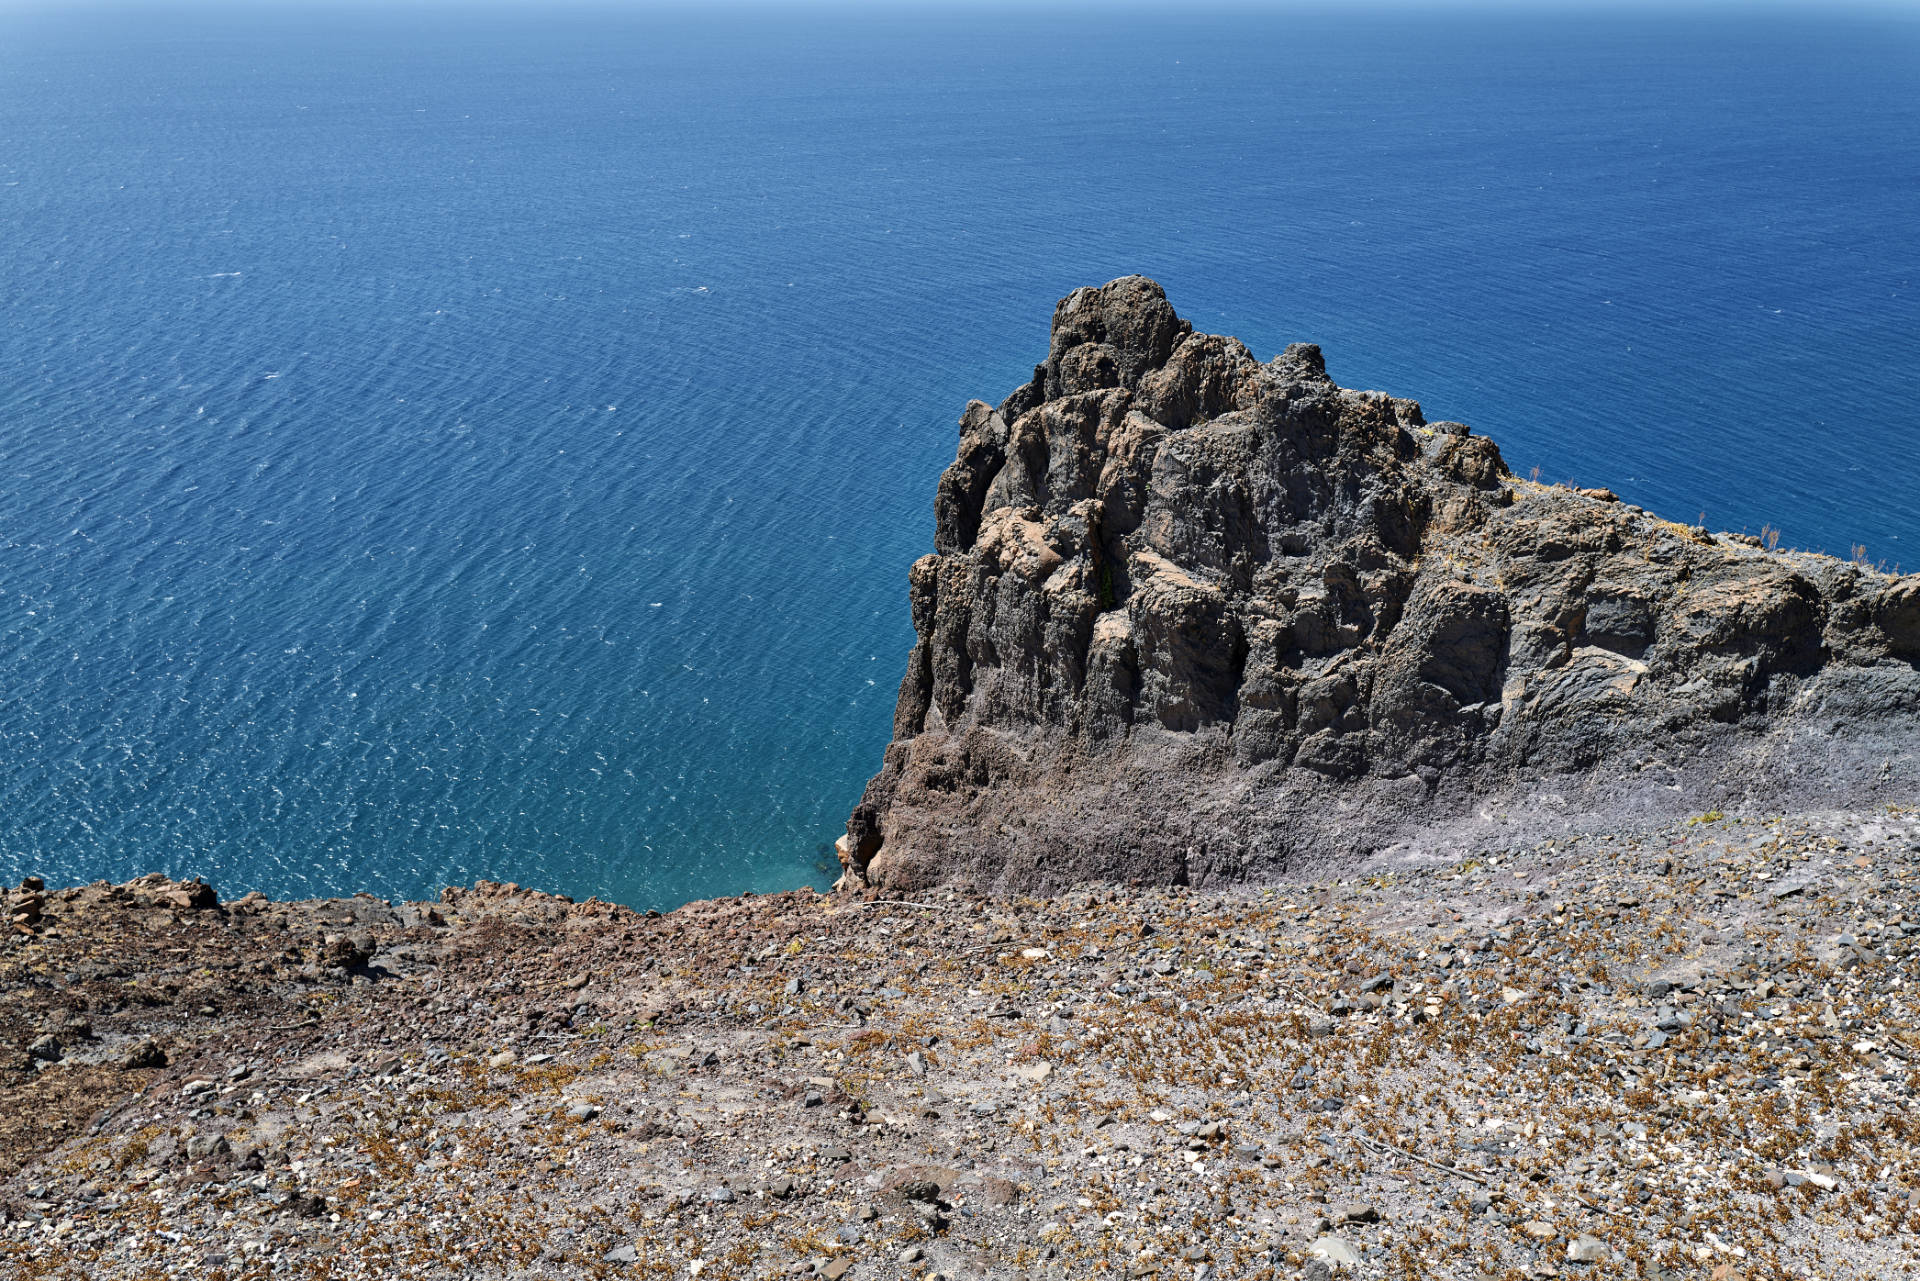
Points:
1190	615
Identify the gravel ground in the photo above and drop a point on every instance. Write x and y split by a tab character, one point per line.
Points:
1678	1052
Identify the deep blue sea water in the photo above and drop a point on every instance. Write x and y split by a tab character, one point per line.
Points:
439	445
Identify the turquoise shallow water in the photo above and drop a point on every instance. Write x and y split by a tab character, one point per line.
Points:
434	448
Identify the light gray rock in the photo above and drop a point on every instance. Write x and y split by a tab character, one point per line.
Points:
1334	1252
1586	1249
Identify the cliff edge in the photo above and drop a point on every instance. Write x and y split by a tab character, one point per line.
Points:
1190	615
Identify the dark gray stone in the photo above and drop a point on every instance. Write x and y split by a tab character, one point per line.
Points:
1190	616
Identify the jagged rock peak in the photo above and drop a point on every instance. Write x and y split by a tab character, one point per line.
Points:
1192	615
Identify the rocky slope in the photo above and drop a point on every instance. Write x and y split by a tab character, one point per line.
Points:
1190	615
1678	1053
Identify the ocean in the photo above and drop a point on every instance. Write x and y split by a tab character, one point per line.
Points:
439	444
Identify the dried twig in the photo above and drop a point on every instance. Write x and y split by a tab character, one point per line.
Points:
1295	992
1391	1150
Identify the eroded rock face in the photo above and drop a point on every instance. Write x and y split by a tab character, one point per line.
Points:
1192	615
